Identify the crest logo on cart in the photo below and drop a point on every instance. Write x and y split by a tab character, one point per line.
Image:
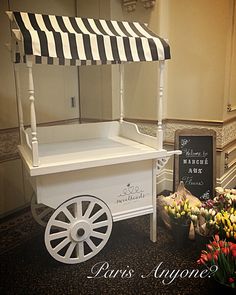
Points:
130	193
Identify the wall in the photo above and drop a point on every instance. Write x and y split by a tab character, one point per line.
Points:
95	82
53	88
196	74
140	79
102	100
200	35
230	70
197	32
197	86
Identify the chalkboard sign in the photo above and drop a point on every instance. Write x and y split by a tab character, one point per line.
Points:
196	166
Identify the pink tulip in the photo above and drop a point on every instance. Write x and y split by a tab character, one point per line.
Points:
210	247
204	257
200	261
215	244
231	280
217	238
225	250
232	246
233	253
209	256
215	256
222	244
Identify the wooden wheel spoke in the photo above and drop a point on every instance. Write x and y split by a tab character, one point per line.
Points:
39	206
45	213
80	250
40	212
100	224
70	250
89	209
97	215
68	214
60	224
91	245
78	209
98	235
61	245
59	235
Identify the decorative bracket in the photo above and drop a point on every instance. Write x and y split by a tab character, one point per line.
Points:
160	164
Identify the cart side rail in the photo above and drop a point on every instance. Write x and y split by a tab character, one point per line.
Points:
74	132
130	130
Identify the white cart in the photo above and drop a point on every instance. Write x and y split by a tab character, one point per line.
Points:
88	175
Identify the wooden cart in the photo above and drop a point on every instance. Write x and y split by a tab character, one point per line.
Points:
87	175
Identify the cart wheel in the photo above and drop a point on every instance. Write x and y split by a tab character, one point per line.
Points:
78	229
40	212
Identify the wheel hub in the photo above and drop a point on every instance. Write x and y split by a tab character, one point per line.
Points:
80	230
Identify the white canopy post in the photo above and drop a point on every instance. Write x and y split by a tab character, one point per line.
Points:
160	105
121	68
34	140
18	98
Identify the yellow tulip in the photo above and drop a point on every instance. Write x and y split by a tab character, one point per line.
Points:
218	217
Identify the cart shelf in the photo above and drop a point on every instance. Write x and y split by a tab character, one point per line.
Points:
76	146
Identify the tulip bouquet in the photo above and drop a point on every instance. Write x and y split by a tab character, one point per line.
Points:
179	211
204	220
223	255
217	215
225	199
226	223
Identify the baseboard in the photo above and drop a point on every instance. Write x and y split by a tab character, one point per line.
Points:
14	212
228	180
165	180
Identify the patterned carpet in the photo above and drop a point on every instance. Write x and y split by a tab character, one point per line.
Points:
27	268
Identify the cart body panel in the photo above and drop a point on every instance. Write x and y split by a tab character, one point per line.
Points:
123	187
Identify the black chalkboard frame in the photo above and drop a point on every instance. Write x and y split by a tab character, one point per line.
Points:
194	132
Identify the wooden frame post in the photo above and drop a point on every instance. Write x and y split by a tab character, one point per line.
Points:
153	216
18	99
34	140
160	92
121	68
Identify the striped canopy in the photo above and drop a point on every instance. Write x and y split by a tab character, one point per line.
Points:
67	40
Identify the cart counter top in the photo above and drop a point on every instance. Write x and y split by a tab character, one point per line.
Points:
74	155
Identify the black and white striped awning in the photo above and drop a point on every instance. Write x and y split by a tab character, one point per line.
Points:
67	40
